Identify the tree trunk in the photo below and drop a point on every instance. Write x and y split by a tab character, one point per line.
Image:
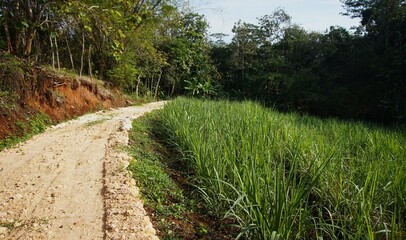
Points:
173	89
89	61
151	84
157	84
17	42
70	54
83	54
57	54
53	52
7	32
6	28
137	87
28	41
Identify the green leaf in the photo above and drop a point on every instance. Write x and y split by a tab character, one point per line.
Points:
121	34
52	34
25	24
116	13
116	43
88	28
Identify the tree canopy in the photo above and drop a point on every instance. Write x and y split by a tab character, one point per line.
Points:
355	74
148	47
161	48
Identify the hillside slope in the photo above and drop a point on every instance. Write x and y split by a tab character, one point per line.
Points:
27	91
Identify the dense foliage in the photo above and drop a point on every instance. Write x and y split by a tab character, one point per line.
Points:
359	74
285	176
145	47
161	48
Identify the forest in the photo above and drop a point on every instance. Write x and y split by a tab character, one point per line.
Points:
161	48
352	74
142	47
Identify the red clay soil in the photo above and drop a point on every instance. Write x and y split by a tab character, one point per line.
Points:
8	122
74	97
59	96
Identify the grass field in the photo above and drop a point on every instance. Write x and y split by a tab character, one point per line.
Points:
285	176
174	211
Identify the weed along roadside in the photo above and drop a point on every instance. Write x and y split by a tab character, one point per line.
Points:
35	125
176	211
273	175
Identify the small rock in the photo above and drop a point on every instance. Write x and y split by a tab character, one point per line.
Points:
10	213
3	231
128	213
9	220
111	227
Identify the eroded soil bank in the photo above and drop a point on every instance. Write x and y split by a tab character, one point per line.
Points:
27	90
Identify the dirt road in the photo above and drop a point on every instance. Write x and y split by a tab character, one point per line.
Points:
71	182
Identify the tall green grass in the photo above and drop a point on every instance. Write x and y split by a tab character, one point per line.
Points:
285	176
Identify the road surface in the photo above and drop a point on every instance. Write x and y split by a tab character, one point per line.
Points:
71	182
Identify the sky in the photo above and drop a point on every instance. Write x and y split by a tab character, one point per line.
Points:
312	15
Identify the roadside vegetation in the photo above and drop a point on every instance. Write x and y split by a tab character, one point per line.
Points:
174	210
286	176
35	125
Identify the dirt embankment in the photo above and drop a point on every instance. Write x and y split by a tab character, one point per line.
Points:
26	90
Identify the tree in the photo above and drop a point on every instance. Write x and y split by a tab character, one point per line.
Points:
384	51
384	20
21	21
244	46
272	27
187	49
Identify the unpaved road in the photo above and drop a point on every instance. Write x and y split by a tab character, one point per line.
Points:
71	182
